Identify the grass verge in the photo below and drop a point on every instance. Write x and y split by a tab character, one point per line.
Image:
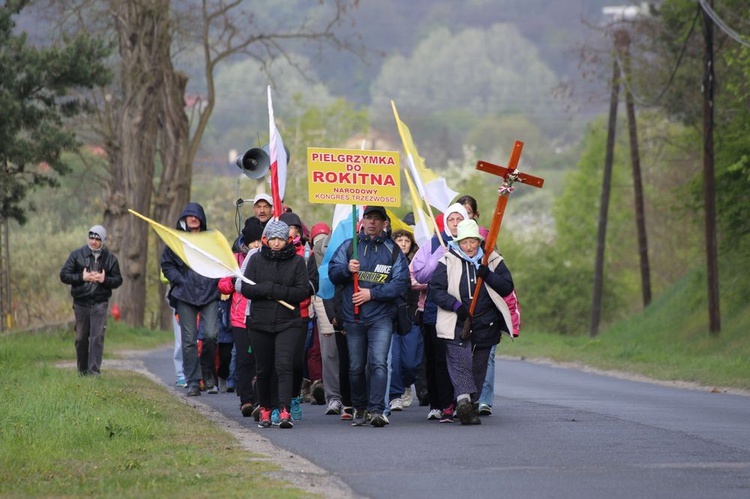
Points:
118	435
668	341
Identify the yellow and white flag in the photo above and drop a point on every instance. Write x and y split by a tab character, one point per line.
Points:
431	187
207	252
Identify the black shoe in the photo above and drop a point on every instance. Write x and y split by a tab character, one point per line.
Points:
378	420
318	392
247	409
194	391
467	413
464	410
359	417
424	399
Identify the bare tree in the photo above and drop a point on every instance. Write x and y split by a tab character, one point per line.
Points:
146	116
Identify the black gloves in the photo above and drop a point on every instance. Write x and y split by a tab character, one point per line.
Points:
462	313
264	288
483	271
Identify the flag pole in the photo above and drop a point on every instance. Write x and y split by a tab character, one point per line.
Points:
420	186
355	257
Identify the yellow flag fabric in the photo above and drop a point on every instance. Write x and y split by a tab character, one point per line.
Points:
397	223
431	187
208	253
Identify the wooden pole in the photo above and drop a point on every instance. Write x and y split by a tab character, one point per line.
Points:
709	187
635	160
596	302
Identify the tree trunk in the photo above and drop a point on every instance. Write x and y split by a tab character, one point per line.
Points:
174	186
142	29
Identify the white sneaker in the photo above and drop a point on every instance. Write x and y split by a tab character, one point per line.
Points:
406	398
397	405
484	410
434	414
334	407
222	385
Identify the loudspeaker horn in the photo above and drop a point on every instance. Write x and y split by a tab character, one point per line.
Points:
254	163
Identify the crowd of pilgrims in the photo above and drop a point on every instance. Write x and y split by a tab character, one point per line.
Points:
399	328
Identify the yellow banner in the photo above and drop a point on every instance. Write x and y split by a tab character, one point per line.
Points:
353	176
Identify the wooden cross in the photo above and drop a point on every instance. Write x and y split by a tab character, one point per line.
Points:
510	176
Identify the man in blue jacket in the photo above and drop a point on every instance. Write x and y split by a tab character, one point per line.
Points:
192	294
383	278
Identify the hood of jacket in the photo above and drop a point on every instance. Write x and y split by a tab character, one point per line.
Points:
195	210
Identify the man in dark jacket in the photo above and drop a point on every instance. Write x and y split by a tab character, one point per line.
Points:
92	272
383	277
192	294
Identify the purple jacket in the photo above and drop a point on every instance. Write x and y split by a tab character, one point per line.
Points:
423	266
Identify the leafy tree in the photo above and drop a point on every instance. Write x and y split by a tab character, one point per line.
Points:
452	79
37	100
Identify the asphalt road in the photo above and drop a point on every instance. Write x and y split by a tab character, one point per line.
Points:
555	433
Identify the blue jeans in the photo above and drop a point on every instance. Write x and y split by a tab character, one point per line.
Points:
189	328
368	346
488	388
407	352
177	354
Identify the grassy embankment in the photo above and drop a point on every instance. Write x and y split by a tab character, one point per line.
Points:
119	435
668	341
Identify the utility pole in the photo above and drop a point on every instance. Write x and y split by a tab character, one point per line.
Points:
621	47
6	315
709	187
635	160
596	302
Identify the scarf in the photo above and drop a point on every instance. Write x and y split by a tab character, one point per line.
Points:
475	260
285	253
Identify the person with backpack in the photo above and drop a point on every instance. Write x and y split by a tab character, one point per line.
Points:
368	312
452	289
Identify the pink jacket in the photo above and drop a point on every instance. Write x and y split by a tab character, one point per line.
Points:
515	312
239	302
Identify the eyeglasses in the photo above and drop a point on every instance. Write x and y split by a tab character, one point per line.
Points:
95	236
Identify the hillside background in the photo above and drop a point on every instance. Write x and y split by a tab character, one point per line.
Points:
468	78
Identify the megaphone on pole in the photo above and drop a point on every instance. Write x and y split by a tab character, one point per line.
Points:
256	161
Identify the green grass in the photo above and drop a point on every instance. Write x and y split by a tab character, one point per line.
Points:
118	435
668	341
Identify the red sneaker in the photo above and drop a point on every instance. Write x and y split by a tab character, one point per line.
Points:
265	418
285	419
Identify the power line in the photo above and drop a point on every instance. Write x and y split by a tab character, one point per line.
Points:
722	25
626	81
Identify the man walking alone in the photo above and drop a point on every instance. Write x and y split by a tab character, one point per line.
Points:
92	273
